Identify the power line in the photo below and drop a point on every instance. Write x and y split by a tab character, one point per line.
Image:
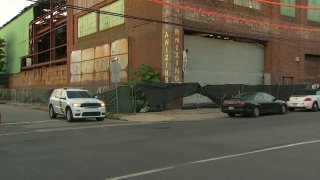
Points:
288	5
261	37
240	19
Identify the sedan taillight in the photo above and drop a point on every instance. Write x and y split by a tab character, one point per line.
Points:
307	99
241	102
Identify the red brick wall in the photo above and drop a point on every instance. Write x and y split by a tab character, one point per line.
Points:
283	45
145	38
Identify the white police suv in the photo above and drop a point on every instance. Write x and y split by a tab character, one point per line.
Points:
75	104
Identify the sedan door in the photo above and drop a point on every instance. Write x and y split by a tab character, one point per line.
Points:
271	105
262	102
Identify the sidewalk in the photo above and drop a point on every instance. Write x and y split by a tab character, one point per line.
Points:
168	115
175	115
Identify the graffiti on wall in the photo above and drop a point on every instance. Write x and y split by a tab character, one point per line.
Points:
46	76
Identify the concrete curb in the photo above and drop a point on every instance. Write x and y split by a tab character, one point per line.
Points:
164	116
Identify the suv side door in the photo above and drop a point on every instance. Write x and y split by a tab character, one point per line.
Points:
63	101
55	101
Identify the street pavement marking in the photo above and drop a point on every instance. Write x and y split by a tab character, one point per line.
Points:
18	133
30	122
72	128
88	127
212	159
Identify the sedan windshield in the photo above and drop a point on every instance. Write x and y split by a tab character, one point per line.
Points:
79	94
246	96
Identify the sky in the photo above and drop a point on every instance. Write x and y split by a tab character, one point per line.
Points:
11	8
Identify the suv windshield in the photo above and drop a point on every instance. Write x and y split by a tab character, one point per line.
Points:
246	96
79	94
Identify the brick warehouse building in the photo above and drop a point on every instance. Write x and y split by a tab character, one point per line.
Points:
228	41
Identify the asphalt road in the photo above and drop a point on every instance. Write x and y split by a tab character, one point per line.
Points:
32	146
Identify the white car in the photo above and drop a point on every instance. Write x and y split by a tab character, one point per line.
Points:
75	104
305	99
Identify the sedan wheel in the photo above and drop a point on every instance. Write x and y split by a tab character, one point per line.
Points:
315	107
291	109
231	114
283	109
255	112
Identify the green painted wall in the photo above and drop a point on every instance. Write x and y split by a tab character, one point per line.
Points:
16	35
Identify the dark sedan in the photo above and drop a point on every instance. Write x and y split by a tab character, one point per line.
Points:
254	104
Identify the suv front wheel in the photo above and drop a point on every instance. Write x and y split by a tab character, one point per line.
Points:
69	115
100	119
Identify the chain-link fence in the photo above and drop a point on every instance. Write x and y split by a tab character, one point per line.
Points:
159	96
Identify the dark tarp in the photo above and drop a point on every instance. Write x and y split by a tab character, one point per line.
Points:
251	88
285	91
160	93
124	100
271	89
231	90
213	92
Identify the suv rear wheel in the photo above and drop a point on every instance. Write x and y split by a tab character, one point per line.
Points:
52	114
69	115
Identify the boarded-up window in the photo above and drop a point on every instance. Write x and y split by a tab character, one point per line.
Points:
314	15
286	10
109	21
248	3
87	24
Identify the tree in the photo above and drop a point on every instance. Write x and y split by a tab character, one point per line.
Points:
2	54
143	75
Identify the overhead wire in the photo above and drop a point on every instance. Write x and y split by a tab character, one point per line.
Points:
263	37
288	5
213	13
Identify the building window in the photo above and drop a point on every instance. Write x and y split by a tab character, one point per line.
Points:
109	21
287	80
288	11
248	3
87	24
314	15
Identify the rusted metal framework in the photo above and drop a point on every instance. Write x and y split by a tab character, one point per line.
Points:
48	36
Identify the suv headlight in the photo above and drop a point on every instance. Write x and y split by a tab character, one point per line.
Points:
103	104
76	104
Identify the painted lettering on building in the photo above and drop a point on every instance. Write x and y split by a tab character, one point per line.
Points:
166	56
177	56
